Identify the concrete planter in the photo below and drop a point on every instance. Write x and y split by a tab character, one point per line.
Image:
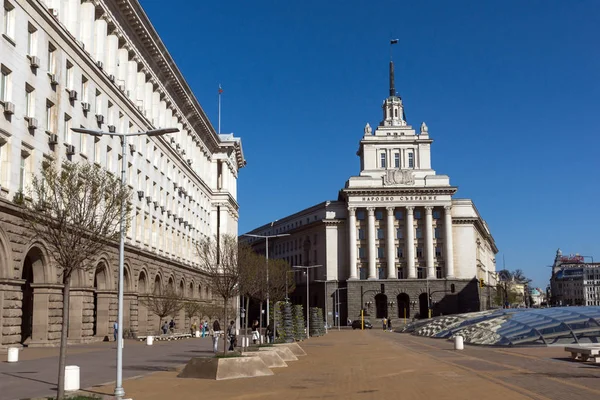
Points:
294	348
285	353
225	368
270	358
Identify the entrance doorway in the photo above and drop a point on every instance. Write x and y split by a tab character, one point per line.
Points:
403	301
27	304
423	306
381	306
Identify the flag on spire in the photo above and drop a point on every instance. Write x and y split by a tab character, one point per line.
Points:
220	89
393	41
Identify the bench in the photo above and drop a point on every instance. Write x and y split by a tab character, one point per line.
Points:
584	353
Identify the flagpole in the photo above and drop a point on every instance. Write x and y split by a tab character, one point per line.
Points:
220	91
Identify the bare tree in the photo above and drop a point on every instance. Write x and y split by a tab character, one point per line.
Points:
74	208
280	279
250	280
221	257
194	308
164	305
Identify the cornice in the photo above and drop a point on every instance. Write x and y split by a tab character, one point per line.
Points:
399	191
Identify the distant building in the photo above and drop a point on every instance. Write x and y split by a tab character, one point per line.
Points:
395	234
574	282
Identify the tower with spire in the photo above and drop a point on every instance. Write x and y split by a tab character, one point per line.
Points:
393	110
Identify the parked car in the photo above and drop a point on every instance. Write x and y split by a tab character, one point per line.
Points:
356	324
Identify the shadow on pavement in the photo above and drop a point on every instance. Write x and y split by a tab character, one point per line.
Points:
30	379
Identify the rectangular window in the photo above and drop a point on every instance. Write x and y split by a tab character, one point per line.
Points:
108	163
360	215
383	160
419	234
396	160
363	272
67	134
381	272
22	167
419	252
400	252
50	118
380	234
437	233
417	214
31	39
400	272
84	89
361	252
82	142
51	59
421	273
29	101
411	160
436	214
5	84
438	272
361	234
96	150
380	252
399	215
438	252
98	103
379	215
69	76
399	233
9	20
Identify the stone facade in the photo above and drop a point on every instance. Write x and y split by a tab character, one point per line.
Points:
396	230
100	65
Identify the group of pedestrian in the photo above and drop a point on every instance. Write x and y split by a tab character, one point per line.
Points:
203	328
387	324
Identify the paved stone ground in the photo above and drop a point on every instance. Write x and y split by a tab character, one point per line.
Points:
36	372
376	365
347	364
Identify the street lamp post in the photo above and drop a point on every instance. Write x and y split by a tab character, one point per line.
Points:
119	391
267	237
307	267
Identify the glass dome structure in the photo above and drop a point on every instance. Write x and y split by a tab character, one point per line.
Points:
517	326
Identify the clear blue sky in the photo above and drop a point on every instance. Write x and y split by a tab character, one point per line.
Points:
509	90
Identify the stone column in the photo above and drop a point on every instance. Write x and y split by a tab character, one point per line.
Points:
372	247
449	251
100	34
352	241
429	242
410	243
391	245
87	16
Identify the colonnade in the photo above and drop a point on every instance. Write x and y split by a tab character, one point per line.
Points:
391	257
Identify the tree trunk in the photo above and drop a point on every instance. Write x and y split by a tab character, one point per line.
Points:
246	330
62	358
225	325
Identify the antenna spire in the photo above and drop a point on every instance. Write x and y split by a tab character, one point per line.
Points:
392	88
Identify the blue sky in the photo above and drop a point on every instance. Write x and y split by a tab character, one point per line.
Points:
509	90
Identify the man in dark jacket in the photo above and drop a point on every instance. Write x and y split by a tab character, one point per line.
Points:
231	335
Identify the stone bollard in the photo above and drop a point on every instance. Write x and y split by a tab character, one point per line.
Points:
149	340
71	378
458	343
13	354
197	333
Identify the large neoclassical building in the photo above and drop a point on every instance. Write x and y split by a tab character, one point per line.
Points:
99	64
396	233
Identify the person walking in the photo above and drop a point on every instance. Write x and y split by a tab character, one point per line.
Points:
193	329
384	323
115	329
389	324
204	329
165	328
255	333
216	332
231	335
172	326
269	333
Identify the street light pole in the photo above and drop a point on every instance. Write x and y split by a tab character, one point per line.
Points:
266	237
307	267
119	391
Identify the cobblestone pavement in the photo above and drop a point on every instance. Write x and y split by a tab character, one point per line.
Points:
376	365
37	370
